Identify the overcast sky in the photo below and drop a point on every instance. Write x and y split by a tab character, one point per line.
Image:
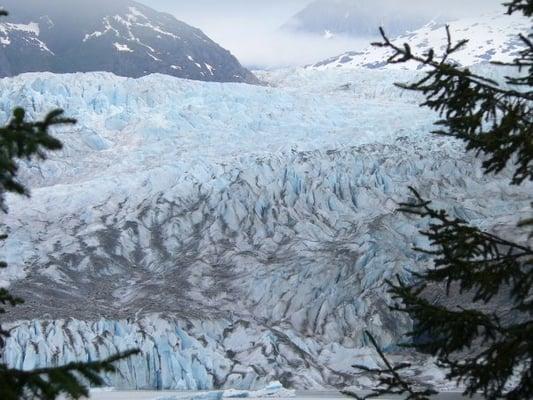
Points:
249	28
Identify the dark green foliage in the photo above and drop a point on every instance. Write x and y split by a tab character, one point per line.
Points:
491	120
524	6
479	262
481	345
24	140
483	266
49	383
21	139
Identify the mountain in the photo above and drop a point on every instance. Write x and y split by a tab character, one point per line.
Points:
119	36
491	38
359	18
237	234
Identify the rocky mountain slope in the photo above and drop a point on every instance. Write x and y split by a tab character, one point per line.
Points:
122	36
491	38
237	234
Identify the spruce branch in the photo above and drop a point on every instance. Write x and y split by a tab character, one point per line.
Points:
49	383
478	261
523	6
494	121
21	139
487	349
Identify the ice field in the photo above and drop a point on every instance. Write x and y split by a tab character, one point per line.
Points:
237	234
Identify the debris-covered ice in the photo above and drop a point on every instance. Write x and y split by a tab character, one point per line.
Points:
236	234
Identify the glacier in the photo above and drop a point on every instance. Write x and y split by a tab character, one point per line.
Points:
237	234
272	390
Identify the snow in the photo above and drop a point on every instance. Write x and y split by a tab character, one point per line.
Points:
161	31
31	28
210	68
272	390
134	18
237	234
109	28
153	57
129	22
95	34
491	37
122	47
136	13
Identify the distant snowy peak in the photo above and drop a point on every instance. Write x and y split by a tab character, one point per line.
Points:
123	37
491	38
29	33
356	18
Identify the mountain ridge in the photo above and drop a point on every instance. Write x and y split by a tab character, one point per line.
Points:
124	37
493	37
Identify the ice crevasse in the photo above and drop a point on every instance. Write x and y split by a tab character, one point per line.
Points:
236	234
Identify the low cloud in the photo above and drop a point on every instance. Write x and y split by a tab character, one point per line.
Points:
250	28
274	49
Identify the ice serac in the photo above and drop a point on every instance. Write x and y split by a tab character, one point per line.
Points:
119	36
236	234
493	37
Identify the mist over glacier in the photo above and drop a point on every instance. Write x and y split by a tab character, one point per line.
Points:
253	29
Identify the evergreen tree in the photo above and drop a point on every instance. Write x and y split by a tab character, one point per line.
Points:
24	140
489	353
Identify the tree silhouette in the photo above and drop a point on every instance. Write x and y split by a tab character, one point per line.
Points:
24	140
488	352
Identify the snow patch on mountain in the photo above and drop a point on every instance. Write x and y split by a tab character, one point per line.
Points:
123	37
491	38
31	30
122	47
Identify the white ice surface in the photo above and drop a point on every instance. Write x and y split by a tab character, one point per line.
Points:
259	221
